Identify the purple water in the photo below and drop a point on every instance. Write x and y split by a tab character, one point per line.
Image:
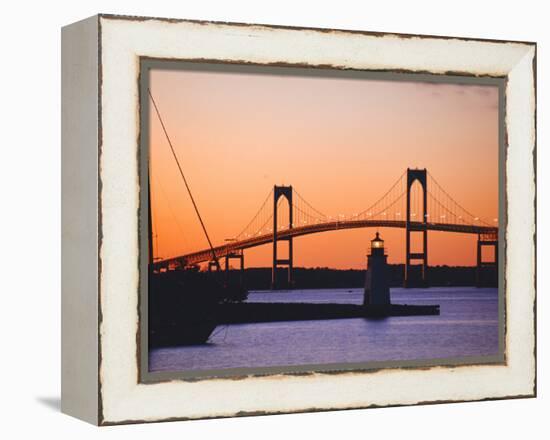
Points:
467	326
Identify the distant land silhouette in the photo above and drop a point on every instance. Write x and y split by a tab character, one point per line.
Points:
258	278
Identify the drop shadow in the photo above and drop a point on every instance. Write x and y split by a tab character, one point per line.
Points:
52	403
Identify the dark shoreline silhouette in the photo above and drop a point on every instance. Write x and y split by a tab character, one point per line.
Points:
258	278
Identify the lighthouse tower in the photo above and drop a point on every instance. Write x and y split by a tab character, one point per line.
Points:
377	289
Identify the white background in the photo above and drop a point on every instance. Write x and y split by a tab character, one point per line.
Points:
30	217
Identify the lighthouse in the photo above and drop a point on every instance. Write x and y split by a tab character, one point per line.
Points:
377	289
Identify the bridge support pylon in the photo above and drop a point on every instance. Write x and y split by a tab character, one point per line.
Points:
213	266
410	279
278	192
237	255
487	271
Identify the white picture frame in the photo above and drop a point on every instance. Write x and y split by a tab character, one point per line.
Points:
101	380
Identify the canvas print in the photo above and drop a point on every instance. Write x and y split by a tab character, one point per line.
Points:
315	219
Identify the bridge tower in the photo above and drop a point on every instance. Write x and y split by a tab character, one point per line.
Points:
419	175
487	271
278	192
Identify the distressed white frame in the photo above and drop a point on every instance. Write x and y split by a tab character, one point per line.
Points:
122	41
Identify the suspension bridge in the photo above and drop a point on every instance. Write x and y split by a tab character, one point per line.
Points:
416	202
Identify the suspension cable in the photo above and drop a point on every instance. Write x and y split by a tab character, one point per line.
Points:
383	197
308	204
455	202
214	256
256	215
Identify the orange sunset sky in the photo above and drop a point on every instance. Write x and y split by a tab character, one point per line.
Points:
340	142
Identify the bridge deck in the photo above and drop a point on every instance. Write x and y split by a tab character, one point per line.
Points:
226	249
